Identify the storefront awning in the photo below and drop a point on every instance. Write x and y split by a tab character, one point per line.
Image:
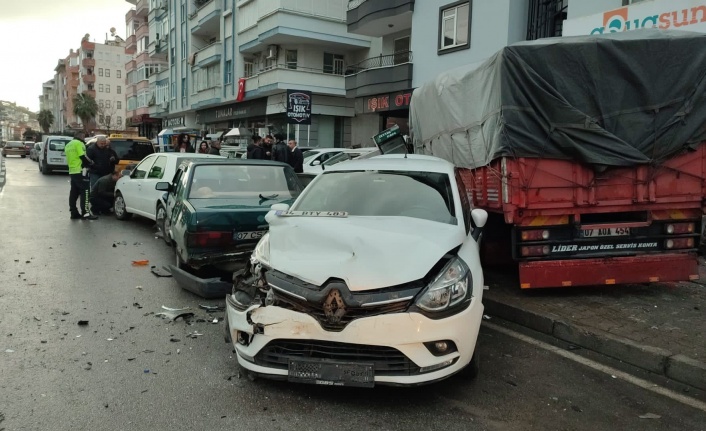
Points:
166	132
238	131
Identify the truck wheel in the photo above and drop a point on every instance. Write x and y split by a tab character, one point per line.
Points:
120	209
471	370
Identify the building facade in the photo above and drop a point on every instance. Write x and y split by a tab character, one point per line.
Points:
46	100
15	120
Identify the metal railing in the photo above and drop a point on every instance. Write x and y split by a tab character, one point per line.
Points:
399	57
352	4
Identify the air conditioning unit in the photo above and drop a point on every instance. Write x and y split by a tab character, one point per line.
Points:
271	52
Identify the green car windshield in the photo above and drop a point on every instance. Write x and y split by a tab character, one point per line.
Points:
243	181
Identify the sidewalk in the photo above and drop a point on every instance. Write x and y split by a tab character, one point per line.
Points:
659	327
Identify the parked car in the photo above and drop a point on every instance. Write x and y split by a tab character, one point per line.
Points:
215	214
135	192
371	277
28	147
14	148
342	156
52	157
316	156
35	151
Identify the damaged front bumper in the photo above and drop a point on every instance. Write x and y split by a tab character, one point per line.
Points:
390	349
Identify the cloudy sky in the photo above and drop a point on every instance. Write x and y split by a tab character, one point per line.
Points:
34	34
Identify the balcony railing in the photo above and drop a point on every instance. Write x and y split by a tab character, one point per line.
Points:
352	4
399	57
283	74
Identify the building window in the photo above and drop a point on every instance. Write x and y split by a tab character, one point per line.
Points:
118	72
333	63
119	89
100	88
248	68
228	78
454	26
107	103
107	73
118	105
290	57
101	119
100	103
100	71
171	56
402	52
546	18
107	88
120	121
205	78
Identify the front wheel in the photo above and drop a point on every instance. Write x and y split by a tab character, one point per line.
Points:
120	208
161	219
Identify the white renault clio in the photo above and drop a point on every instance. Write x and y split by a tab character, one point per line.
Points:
371	277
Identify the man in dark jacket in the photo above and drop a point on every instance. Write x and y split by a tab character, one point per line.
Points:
256	141
296	158
258	151
104	159
215	148
102	193
280	152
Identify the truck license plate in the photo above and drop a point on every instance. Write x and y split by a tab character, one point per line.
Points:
331	373
245	236
612	231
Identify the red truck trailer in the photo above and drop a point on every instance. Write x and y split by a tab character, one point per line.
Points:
588	153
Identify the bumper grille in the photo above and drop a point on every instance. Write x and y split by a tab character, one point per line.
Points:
387	361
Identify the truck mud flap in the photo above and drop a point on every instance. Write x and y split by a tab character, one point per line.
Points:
209	288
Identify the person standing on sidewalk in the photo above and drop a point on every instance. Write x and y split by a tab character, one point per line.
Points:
296	158
280	152
215	147
78	163
104	159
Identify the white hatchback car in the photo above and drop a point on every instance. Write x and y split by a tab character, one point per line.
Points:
342	155
371	277
136	193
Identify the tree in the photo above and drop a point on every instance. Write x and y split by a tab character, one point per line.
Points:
107	118
85	108
46	119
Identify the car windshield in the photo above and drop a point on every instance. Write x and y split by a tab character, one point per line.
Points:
309	153
340	157
424	195
244	181
129	149
57	145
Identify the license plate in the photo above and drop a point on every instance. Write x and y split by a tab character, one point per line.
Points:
612	231
331	373
245	236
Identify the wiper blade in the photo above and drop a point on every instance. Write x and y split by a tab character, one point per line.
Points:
267	198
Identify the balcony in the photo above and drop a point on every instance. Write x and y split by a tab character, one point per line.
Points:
142	8
208	55
280	78
381	74
377	18
73	83
142	31
88	62
207	97
91	93
89	78
142	58
73	69
131	44
207	18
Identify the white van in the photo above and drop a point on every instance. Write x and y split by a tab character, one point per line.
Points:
52	157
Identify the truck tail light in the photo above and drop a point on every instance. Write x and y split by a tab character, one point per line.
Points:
534	235
679	243
534	250
679	228
209	239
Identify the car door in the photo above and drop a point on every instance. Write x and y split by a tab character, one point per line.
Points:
133	188
149	195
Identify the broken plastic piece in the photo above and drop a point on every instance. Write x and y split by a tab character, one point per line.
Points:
82	322
9	351
212	307
140	262
215	320
174	309
174	315
486	317
160	272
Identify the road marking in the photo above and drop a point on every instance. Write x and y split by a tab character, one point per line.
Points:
652	387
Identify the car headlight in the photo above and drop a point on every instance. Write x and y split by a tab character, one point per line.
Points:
262	250
450	288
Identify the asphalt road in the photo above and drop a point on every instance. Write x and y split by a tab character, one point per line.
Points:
129	369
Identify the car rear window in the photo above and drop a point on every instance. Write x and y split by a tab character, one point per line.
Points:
14	145
130	149
58	144
232	181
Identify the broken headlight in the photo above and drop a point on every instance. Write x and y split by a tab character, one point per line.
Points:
262	250
449	289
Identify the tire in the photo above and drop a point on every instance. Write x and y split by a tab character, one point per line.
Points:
45	170
471	370
24	157
119	208
162	223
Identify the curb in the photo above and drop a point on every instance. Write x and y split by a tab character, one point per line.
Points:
653	359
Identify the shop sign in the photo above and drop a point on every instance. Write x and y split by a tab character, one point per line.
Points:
173	122
253	108
687	15
298	107
387	102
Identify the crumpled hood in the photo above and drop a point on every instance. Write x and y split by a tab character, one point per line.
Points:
367	252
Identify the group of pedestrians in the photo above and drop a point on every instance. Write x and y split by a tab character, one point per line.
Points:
274	148
92	176
183	145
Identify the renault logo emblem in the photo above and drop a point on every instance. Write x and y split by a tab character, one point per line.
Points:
334	307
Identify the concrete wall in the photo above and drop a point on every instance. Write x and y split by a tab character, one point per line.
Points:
579	8
363	128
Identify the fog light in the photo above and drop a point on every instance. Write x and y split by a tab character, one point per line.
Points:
441	346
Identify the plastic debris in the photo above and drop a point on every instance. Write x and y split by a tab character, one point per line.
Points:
109	339
160	272
194	334
215	320
178	351
82	322
486	317
650	416
212	307
9	351
174	340
174	309
138	287
137	305
175	315
140	262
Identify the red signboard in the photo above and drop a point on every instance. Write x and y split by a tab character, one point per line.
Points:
388	102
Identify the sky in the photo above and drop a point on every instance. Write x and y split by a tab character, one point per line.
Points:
35	34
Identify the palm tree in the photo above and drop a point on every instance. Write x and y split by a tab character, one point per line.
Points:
85	108
46	119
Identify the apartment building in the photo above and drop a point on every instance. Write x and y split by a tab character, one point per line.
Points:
158	51
46	99
15	120
69	70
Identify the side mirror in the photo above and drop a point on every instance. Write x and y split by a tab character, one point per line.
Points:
479	217
280	207
316	163
125	173
162	186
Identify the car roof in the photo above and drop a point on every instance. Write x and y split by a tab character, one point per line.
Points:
227	161
396	162
176	155
57	136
